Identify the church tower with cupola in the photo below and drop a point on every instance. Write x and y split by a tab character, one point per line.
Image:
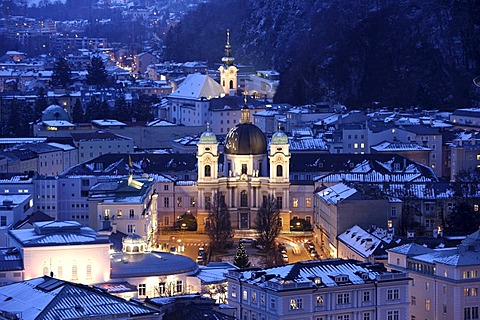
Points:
279	158
228	72
207	155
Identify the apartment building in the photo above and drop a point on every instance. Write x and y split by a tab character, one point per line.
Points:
445	280
320	290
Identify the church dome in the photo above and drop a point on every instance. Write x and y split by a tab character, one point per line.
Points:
55	113
245	139
279	137
208	137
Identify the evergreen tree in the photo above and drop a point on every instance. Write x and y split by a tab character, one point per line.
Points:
13	112
62	73
241	258
92	111
121	111
41	103
104	111
78	115
97	75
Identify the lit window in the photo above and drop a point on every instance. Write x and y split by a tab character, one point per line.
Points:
296	304
362	145
295	202
355	145
245	295
308	202
89	271
390	223
427	304
319	301
475	207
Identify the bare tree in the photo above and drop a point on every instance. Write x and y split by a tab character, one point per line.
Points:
219	228
268	224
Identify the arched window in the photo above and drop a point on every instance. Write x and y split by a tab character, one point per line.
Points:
74	272
231	84
89	271
243	199
208	171
279	171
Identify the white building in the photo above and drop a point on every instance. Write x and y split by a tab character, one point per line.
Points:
320	290
445	281
66	250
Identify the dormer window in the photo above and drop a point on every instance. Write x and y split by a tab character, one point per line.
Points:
341	278
317	280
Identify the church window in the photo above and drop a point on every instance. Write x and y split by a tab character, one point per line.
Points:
279	202
208	171
279	170
231	84
244	168
243	199
208	202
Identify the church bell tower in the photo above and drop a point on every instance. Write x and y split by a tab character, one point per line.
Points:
228	72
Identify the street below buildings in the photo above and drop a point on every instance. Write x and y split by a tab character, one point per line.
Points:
188	244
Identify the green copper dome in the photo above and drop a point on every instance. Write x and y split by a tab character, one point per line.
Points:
279	138
208	137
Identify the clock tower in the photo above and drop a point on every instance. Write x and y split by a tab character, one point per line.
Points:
228	72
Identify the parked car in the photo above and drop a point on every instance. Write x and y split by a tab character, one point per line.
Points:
247	240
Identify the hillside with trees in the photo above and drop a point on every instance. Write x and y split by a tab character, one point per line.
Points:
396	53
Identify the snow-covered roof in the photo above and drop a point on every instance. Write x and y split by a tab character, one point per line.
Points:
56	233
392	147
108	122
58	123
214	273
336	193
360	241
150	264
315	273
160	123
50	298
197	86
307	144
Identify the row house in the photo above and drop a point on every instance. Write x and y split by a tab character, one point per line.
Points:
320	290
340	206
445	281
